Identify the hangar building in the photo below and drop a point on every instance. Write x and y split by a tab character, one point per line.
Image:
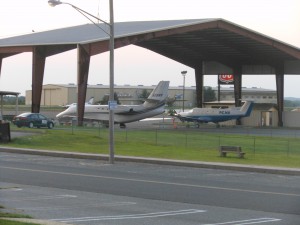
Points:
209	46
64	94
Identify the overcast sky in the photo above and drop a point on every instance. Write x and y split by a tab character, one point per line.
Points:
133	65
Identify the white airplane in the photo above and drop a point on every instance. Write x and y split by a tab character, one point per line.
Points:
89	102
215	115
153	105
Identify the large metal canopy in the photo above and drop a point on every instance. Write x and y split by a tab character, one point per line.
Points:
210	46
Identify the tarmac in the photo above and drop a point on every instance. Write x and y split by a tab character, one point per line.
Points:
117	158
186	163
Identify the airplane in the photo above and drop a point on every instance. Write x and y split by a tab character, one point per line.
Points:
206	115
153	105
89	102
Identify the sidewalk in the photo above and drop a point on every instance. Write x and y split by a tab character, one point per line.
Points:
197	164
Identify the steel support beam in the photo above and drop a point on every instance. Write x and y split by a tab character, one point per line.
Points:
38	66
279	70
83	64
199	85
237	75
0	65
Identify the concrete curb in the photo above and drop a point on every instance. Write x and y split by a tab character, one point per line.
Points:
197	164
36	221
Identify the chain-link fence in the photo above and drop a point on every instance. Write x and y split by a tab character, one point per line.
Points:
252	141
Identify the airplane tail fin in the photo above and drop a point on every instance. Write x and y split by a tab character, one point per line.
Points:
158	95
247	108
91	101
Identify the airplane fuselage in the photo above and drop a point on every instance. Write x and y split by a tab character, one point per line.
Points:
215	115
153	105
122	114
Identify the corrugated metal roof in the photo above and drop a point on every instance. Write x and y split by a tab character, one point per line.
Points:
185	41
8	93
89	33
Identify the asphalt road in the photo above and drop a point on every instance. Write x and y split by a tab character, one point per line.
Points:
81	191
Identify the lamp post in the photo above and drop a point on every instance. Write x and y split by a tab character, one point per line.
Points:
183	87
111	67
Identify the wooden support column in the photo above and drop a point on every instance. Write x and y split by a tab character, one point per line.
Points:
237	75
199	85
83	64
279	70
38	66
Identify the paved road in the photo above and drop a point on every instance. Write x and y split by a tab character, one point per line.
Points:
81	191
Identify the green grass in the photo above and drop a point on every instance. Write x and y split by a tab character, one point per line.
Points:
10	222
167	144
13	215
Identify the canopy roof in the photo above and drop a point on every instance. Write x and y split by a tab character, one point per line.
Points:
219	43
210	46
9	93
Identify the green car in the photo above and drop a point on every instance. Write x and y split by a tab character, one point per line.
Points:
33	120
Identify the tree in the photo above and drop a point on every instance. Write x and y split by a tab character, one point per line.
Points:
11	100
170	101
105	99
145	94
209	94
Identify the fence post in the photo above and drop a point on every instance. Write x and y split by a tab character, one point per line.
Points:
73	121
254	146
99	125
186	140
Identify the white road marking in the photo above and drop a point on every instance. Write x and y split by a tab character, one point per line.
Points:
154	182
132	216
246	222
98	205
2	155
11	189
38	198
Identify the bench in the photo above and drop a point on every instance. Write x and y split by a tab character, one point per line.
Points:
231	149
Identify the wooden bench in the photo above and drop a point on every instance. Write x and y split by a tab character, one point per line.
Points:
231	149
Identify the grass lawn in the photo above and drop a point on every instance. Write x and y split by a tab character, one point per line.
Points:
10	222
12	215
168	144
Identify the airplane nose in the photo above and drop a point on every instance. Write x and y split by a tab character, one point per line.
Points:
59	115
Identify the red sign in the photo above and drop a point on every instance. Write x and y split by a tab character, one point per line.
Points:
225	79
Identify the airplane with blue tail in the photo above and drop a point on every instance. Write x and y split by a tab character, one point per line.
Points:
206	115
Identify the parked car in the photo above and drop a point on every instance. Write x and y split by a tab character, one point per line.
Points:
33	120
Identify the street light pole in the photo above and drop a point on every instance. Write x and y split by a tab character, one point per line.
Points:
183	87
111	67
111	84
